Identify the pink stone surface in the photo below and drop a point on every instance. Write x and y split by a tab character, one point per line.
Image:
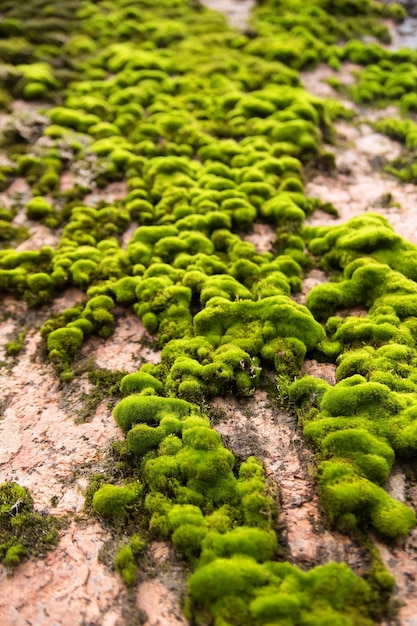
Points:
69	587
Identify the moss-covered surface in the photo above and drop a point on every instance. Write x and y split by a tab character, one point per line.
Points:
211	132
24	533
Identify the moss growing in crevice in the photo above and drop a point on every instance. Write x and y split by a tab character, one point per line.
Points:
105	388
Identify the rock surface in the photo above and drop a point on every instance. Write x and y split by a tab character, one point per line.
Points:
237	11
45	448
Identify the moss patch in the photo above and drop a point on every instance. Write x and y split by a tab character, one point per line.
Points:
23	532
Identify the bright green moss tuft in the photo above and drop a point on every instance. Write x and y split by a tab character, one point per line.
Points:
137	409
258	544
346	493
187	538
64	345
308	391
114	501
142	438
38	208
226	577
202	438
124	563
392	518
373	457
138	382
356	396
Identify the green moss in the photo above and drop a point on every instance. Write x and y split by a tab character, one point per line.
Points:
187	539
138	382
124	563
114	501
358	396
23	532
63	346
210	130
374	458
342	594
253	542
226	577
38	208
345	493
15	346
137	409
142	438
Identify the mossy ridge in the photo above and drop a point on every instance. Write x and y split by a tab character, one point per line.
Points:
388	78
357	428
303	34
369	235
23	532
221	523
360	424
31	49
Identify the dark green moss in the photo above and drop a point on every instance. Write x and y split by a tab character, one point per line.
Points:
23	532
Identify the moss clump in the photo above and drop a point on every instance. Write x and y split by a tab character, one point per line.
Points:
136	409
112	500
38	209
139	382
23	532
348	496
63	346
124	563
264	592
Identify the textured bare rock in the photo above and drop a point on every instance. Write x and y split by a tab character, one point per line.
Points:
110	193
360	184
159	598
236	11
400	556
159	605
401	562
18	189
39	235
262	237
69	587
358	187
127	348
315	81
326	371
404	35
312	279
43	444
